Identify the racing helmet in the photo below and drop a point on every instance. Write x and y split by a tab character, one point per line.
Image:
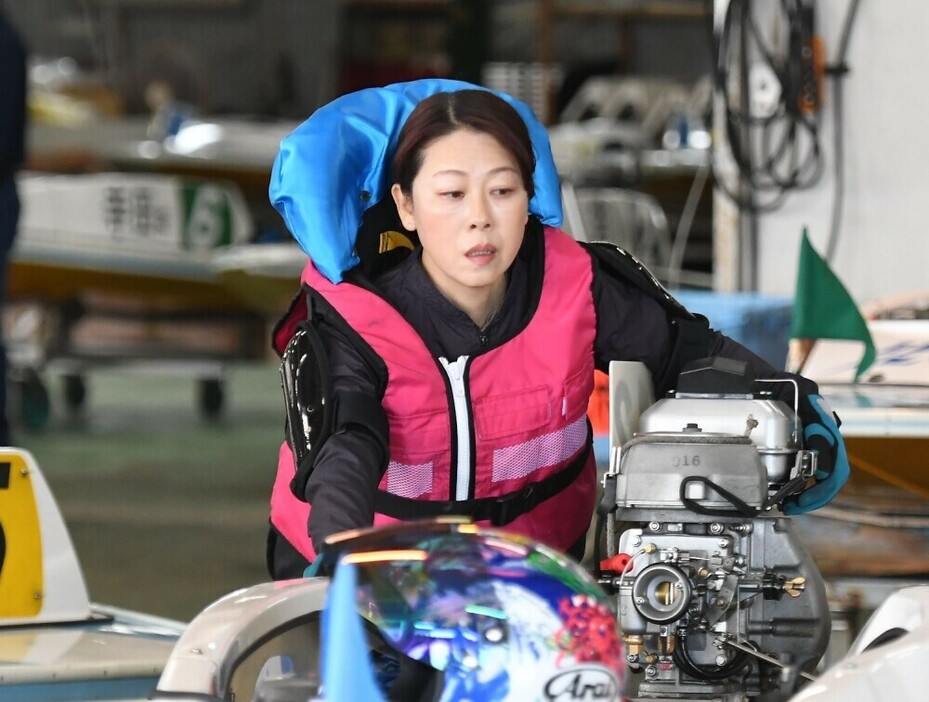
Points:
455	611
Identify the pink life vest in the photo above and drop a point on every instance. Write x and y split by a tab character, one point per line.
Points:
517	414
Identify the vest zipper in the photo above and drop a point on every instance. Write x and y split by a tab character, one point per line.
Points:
461	479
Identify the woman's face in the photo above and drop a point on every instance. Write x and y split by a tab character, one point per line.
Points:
469	206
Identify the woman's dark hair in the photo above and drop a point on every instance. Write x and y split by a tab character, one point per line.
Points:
443	113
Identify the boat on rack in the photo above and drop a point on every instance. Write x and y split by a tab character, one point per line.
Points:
55	644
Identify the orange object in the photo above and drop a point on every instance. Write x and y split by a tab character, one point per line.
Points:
811	89
598	408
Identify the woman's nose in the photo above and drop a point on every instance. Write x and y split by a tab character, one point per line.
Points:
480	213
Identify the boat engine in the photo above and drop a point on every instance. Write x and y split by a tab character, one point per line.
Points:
717	599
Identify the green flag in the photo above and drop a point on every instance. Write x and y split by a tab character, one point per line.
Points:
823	309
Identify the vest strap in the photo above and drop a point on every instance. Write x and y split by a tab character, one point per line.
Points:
499	511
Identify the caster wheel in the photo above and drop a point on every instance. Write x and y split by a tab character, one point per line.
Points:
75	392
35	406
211	398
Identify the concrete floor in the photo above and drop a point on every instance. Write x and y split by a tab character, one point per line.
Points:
167	510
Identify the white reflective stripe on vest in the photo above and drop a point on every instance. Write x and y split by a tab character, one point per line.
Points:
409	480
522	460
456	375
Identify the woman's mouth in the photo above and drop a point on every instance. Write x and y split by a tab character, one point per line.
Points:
481	253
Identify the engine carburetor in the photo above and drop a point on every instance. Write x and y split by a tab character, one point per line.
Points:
716	597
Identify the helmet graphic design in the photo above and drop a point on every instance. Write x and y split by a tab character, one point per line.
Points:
459	612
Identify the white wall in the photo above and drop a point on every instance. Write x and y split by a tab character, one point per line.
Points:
883	245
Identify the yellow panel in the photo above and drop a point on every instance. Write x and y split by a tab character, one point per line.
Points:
21	565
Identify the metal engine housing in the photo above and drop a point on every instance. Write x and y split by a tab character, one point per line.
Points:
717	598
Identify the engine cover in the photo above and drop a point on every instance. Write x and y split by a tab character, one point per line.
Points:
663	471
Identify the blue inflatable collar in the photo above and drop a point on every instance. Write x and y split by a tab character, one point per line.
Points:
336	164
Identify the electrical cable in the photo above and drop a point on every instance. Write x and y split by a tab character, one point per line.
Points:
684	225
837	72
780	151
688	665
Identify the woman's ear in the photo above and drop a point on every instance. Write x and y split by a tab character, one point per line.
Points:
404	205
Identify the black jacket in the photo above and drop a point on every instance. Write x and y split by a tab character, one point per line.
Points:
631	326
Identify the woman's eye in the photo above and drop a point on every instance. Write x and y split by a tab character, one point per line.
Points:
453	194
502	191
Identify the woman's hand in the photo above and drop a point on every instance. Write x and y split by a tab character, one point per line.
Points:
821	433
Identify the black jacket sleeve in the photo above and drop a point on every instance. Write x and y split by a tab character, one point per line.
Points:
347	470
632	326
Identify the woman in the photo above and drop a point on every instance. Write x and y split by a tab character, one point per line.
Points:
461	374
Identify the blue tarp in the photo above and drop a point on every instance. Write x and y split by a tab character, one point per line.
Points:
759	322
